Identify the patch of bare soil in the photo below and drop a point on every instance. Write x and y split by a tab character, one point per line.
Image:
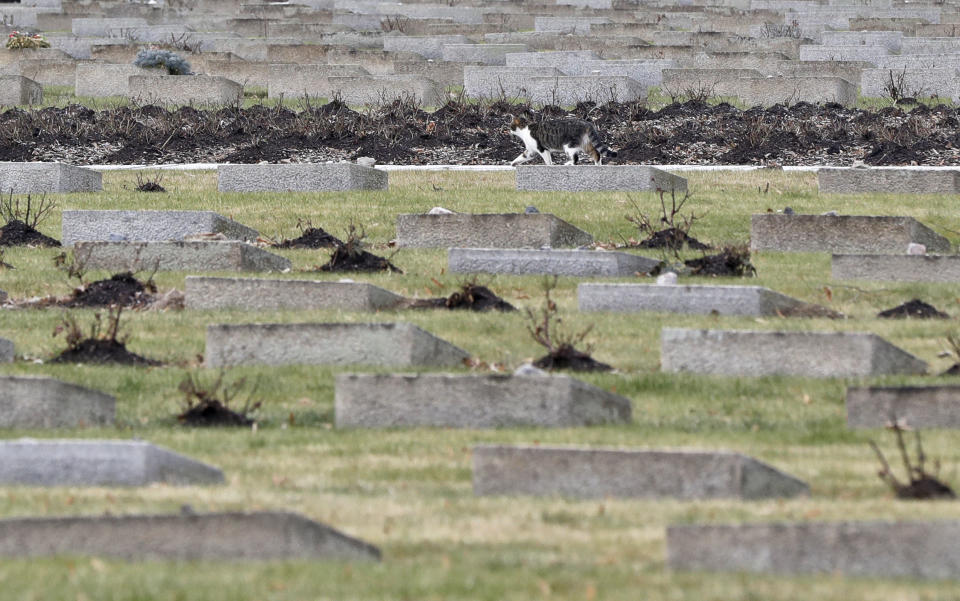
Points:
123	290
731	262
344	259
18	233
471	297
312	237
102	351
212	413
915	308
673	239
567	357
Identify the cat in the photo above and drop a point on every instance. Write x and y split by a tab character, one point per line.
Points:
571	136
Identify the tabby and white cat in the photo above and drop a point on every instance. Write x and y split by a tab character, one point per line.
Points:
571	136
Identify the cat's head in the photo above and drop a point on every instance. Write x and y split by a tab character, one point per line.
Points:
518	122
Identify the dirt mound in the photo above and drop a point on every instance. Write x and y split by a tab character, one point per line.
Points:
731	262
312	237
358	260
673	239
122	289
471	297
18	233
915	308
212	413
102	351
567	357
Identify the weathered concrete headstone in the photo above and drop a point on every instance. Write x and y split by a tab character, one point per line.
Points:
886	180
472	401
300	177
809	354
381	344
187	536
40	402
99	80
896	268
581	263
18	90
586	178
925	550
257	294
695	299
632	473
190	255
912	406
488	54
841	234
7	351
495	230
33	178
33	462
148	226
185	89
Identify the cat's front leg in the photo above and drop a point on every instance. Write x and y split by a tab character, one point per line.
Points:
547	159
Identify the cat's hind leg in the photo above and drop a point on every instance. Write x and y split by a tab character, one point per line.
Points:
592	151
547	159
523	158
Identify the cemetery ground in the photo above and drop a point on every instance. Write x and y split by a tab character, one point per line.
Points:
409	491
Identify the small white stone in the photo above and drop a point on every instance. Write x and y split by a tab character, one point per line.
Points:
667	279
439	211
366	161
830	214
528	369
345	281
916	249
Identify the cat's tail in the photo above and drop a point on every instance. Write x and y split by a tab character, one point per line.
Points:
601	148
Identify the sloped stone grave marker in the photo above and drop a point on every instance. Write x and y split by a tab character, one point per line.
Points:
841	234
493	230
592	473
41	402
684	298
472	401
191	255
300	177
34	178
258	293
897	268
148	226
34	462
581	263
7	351
380	344
187	536
914	406
908	549
17	90
885	180
809	354
589	178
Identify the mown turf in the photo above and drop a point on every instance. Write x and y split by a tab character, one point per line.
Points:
409	491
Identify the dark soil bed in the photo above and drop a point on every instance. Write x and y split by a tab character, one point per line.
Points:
570	358
122	289
312	237
18	233
471	297
102	351
673	239
916	309
732	262
212	413
358	260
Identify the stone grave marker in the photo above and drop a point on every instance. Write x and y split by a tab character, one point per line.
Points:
579	263
808	354
589	177
18	90
41	402
300	177
185	89
190	255
861	234
379	344
571	89
487	54
7	351
3	296
684	298
100	80
885	180
148	226
913	406
906	549
494	230
260	294
185	536
592	473
32	462
897	268
472	401
34	178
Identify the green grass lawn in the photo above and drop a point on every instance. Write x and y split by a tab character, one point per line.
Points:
409	491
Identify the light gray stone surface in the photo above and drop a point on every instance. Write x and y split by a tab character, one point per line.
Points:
33	462
472	401
582	263
101	26
488	54
205	255
896	268
808	354
297	81
148	226
302	177
426	46
926	550
33	178
495	81
99	80
18	90
378	344
912	406
596	473
187	536
767	91
692	299
198	90
588	177
585	88
564	60
7	351
495	230
841	234
870	54
915	82
858	180
41	402
258	294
